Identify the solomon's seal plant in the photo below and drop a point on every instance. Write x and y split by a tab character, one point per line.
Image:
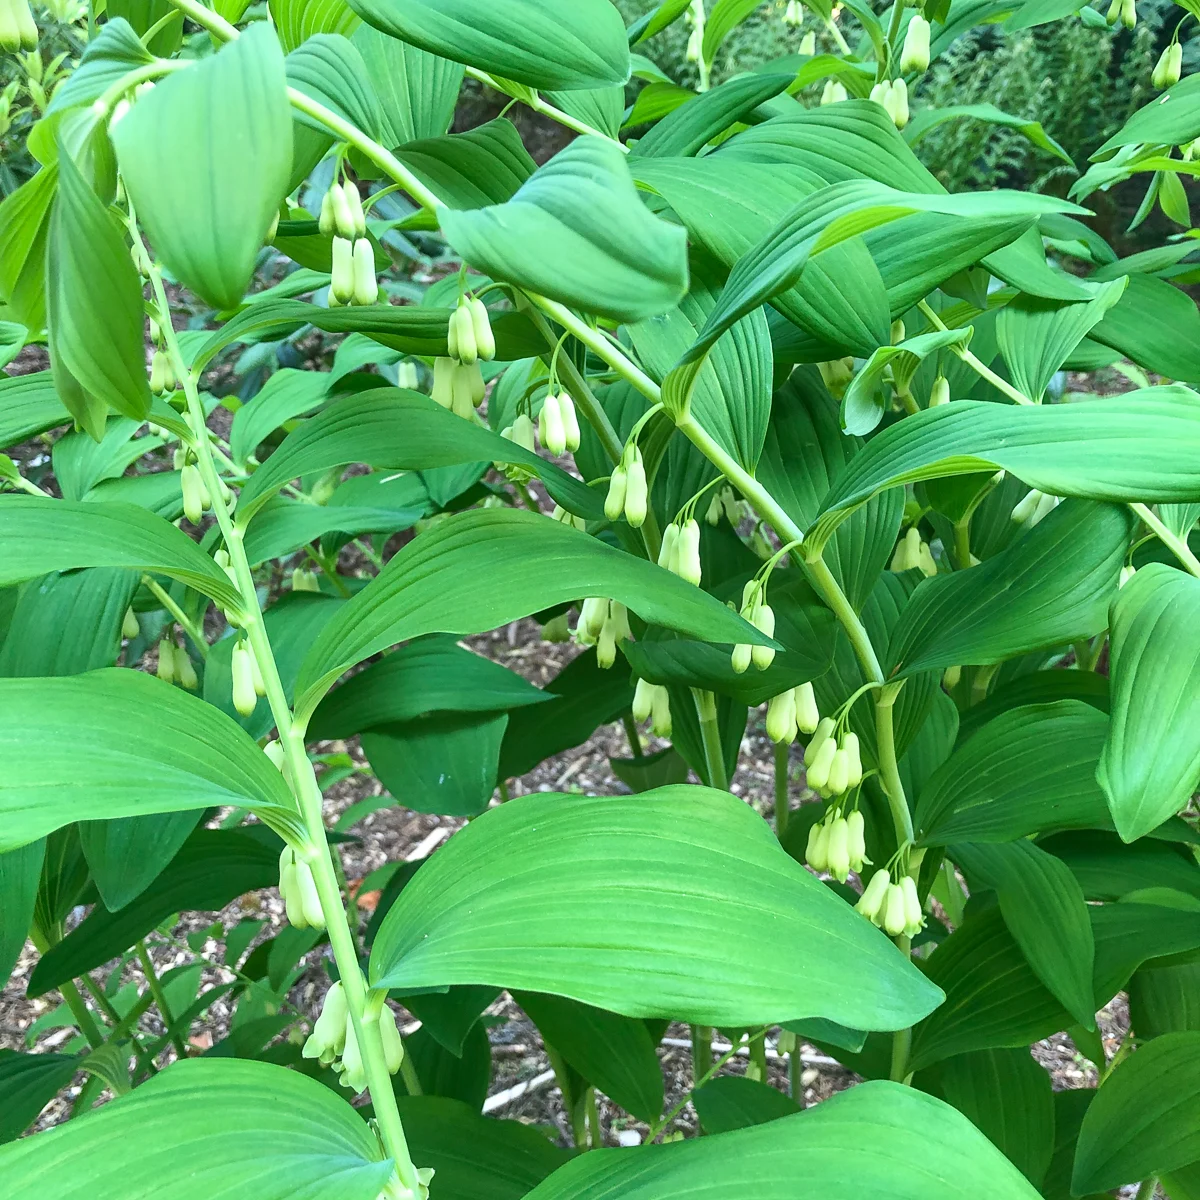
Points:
732	395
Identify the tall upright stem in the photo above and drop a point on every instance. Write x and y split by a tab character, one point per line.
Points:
1177	545
710	734
364	1013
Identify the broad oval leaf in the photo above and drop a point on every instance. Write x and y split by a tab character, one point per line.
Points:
117	743
206	157
577	45
436	585
206	1129
577	232
690	870
28	1083
860	1143
38	536
1152	757
1051	586
1142	446
1145	1120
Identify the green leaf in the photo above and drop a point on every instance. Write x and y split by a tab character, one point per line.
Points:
483	166
1069	1108
476	1158
1162	999
39	535
601	108
94	309
1037	336
289	393
28	1082
731	398
993	998
29	405
285	525
328	68
1152	757
397	429
296	21
127	854
616	1054
445	763
1157	325
1108	869
581	697
117	743
930	118
864	402
1122	448
1051	586
1145	1120
1043	906
25	220
67	624
1171	119
467	918
577	232
207	157
418	91
1041	687
1132	933
211	868
206	1128
735	1102
1031	769
530	563
582	45
115	50
20	872
690	127
825	1147
1008	1097
429	675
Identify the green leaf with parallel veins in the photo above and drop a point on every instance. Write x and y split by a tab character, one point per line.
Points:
1131	933
328	68
1037	336
690	127
993	998
418	91
429	675
601	108
20	872
1051	586
212	868
25	220
125	855
1145	1120
1162	999
1152	757
115	50
614	1053
206	157
28	1082
29	405
398	429
677	856
289	393
577	232
825	1147
1007	1096
580	45
1029	770
1134	447
205	1128
1157	325
930	118
1170	119
117	743
1044	909
94	309
38	536
481	167
530	563
296	21
735	1102
1108	869
284	525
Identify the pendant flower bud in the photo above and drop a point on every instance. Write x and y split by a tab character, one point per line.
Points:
352	1073
557	629
637	494
925	563
940	392
593	612
443	382
763	619
667	551
274	751
570	420
833	92
17	28
245	696
897	105
129	626
837	849
551	433
741	657
358	217
304	580
871	902
950	677
824	732
298	891
481	327
895	911
185	673
1127	573
406	375
839	773
328	1038
325	222
467	389
687	550
781	717
561	515
816	851
1169	67
908	551
460	337
166	660
855	826
341	272
807	716
818	772
914	918
915	54
366	287
195	495
652	701
808	44
393	1044
854	756
836	374
618	484
793	14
